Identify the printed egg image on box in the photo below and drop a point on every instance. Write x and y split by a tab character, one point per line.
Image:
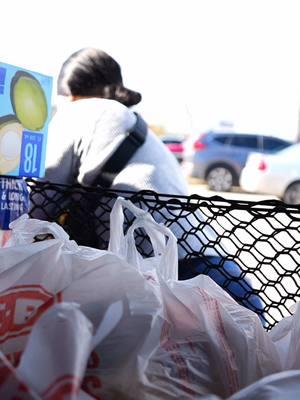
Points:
10	143
25	111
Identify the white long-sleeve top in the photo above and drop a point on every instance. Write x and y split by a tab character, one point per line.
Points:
84	133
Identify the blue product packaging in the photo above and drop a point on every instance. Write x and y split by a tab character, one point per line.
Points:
14	200
25	113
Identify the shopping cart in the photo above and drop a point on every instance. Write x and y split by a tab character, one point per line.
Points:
262	238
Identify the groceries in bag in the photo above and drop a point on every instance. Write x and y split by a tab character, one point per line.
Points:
162	338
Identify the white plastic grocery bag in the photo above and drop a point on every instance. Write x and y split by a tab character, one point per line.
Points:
53	363
115	364
208	343
164	243
281	386
57	351
32	277
218	345
160	338
60	270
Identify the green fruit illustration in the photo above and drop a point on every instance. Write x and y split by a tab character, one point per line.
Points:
10	143
29	101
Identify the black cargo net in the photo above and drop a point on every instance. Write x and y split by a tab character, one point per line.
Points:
251	249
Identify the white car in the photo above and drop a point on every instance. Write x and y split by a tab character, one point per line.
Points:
277	174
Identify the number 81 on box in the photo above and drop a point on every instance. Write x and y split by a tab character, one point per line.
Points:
31	150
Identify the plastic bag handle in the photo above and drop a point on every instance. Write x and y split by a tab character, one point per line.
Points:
125	246
117	237
24	230
167	267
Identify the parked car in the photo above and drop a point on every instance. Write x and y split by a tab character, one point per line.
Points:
175	145
277	174
218	158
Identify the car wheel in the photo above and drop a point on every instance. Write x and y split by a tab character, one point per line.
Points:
292	194
220	179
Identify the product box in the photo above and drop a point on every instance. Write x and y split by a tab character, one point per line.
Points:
14	202
25	112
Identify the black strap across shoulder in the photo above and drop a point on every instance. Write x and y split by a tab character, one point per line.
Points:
118	160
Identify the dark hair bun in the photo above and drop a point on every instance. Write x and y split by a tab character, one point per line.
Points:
91	72
122	94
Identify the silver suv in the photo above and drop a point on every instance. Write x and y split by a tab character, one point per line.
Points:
218	158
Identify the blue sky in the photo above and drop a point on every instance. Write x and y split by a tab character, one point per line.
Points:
196	62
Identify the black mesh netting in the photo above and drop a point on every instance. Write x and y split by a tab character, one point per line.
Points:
252	249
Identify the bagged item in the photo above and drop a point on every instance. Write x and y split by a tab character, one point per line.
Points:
32	278
35	276
52	368
208	343
120	359
57	351
282	386
53	364
163	338
211	342
116	362
286	337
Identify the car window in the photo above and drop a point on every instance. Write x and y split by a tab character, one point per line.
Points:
245	141
274	143
221	139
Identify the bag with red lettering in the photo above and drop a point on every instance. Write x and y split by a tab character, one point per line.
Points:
32	277
35	276
54	360
172	338
208	343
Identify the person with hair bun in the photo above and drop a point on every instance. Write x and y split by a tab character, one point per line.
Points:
87	129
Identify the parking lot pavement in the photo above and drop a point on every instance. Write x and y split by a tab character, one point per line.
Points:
197	187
